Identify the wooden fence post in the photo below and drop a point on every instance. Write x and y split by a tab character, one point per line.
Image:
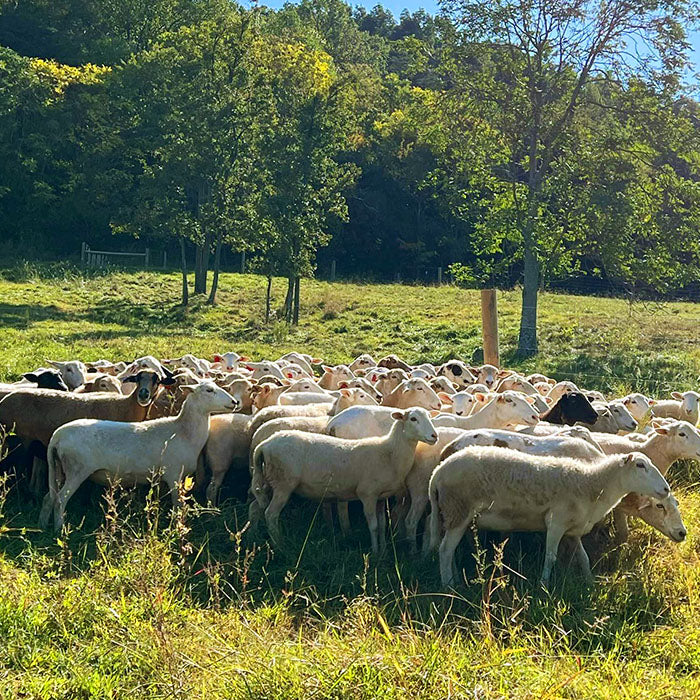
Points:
243	262
165	259
333	271
439	276
83	252
489	325
147	258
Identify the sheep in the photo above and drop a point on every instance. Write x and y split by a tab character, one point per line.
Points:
462	403
388	381
662	515
498	405
540	379
415	392
361	383
394	362
147	363
362	362
489	375
277	411
304	361
228	361
664	445
504	410
301	398
560	389
305	385
418	373
569	409
134	451
105	367
517	383
477	389
100	383
558	445
458	373
333	375
42	377
594	396
442	384
506	490
612	418
323	467
36	413
266	394
260	369
74	372
638	405
685	407
169	400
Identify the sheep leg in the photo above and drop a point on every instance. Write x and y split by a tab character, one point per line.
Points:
381	523
255	510
344	517
212	494
327	510
581	556
449	543
415	512
70	486
622	530
555	532
272	513
38	476
369	505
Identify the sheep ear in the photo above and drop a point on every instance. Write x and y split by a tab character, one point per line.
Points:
479	396
345	392
530	399
434	413
266	389
30	376
289	375
505	373
57	365
652	402
218	358
445	398
677	395
188	388
629	459
316	361
548	400
326	369
398	415
501	398
133	378
661	430
167	381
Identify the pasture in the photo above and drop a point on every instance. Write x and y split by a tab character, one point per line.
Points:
131	602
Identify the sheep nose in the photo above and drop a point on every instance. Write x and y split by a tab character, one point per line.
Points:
682	534
434	436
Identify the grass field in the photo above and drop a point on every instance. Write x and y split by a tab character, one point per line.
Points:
130	603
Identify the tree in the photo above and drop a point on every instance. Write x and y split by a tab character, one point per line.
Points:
526	69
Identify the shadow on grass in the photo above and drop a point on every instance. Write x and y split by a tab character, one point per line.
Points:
22	316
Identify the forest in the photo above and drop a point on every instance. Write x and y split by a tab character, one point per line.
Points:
509	142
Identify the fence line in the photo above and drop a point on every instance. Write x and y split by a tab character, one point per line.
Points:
102	258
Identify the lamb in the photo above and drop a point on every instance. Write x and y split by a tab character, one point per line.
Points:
489	375
462	403
415	392
663	515
169	400
612	418
332	376
388	381
442	384
134	451
228	361
361	383
74	372
664	445
498	405
323	467
560	389
685	407
507	490
304	361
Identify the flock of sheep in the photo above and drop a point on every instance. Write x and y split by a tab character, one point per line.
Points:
475	443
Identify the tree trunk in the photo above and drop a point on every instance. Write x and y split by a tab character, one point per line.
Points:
267	299
183	264
527	341
295	319
288	300
217	265
202	265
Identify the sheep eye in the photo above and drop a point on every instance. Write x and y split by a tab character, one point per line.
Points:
660	505
210	390
509	400
681	435
641	465
413	419
420	388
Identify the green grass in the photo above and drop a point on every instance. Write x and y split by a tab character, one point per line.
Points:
128	603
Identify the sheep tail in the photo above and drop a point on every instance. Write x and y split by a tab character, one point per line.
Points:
257	485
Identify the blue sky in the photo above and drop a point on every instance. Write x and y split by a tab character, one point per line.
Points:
396	6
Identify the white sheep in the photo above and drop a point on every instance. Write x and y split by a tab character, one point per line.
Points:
506	490
74	372
362	362
637	404
415	392
332	376
322	467
686	406
131	451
